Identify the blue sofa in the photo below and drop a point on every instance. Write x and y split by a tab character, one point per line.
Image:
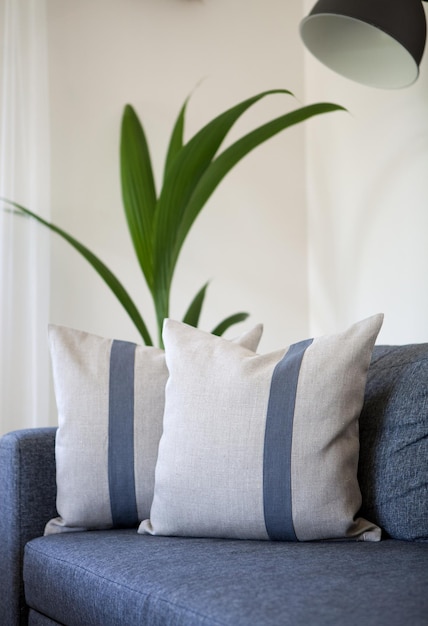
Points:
117	577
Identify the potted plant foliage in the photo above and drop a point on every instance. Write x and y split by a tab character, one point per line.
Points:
159	221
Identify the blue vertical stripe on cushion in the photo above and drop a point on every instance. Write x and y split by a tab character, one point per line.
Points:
121	435
277	446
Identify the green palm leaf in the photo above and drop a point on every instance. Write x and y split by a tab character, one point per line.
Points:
188	167
176	140
108	277
138	189
221	328
193	313
194	176
159	226
219	167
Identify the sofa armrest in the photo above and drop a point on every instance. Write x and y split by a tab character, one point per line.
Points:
27	502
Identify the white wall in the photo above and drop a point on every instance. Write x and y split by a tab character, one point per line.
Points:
251	240
325	224
368	205
367	188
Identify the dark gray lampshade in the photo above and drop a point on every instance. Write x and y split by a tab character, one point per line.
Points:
375	42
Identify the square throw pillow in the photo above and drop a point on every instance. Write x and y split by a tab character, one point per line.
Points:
262	446
110	398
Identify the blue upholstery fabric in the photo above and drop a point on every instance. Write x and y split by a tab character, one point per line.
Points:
36	619
118	577
393	469
109	578
27	501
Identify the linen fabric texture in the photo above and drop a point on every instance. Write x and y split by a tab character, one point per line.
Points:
262	446
110	397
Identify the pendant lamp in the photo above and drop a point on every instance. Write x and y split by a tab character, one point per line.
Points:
379	43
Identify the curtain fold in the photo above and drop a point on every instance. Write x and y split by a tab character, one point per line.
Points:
24	246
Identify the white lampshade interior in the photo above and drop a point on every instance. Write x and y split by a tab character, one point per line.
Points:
359	51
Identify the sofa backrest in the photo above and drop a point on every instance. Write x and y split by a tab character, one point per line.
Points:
393	467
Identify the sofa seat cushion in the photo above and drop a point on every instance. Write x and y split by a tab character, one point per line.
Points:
114	577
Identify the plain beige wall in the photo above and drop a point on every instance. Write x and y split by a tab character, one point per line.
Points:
325	224
251	240
368	205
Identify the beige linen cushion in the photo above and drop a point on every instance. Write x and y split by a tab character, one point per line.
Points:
110	398
262	446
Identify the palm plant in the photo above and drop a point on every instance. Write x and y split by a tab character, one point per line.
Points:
160	222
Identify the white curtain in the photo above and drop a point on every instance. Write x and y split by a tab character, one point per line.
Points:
24	245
